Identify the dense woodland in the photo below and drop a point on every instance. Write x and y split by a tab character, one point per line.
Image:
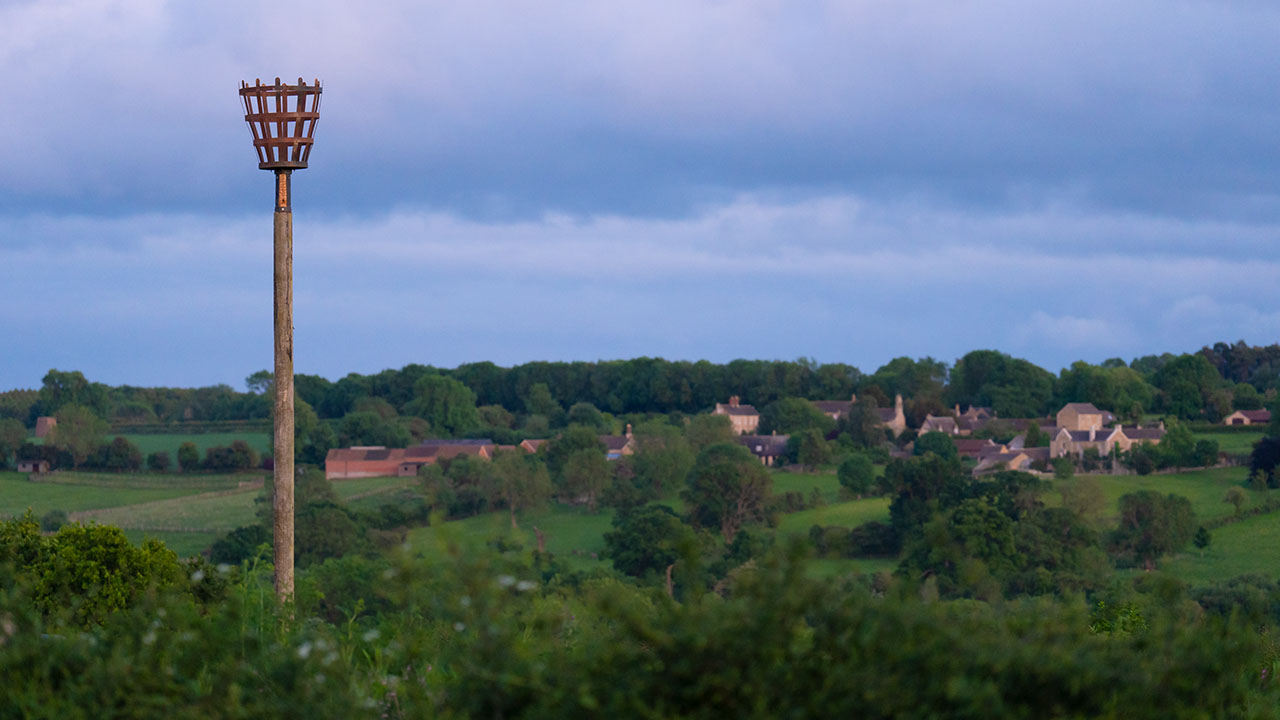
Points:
1010	594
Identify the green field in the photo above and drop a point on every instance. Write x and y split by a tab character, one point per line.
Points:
1249	546
1204	488
846	514
572	533
17	493
1235	443
170	442
804	483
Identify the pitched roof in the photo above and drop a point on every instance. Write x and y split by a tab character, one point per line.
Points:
1082	408
938	423
764	445
723	409
832	406
1258	416
886	414
614	443
1136	433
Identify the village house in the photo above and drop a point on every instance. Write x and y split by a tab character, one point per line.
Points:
1103	440
1248	417
744	418
379	461
940	423
893	418
835	408
768	448
616	446
977	448
33	466
1020	459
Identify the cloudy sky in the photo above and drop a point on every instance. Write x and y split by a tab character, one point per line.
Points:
512	181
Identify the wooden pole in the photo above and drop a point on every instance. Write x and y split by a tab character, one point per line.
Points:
282	475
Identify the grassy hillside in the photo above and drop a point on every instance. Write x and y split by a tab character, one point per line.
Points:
170	441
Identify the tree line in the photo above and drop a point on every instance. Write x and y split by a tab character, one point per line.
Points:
1204	385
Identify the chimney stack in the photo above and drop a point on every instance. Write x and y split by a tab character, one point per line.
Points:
733	401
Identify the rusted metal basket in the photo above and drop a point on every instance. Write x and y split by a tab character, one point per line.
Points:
282	119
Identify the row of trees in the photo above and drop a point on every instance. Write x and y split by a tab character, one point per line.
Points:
1206	385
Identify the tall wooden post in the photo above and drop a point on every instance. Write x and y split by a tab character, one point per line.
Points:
283	119
282	475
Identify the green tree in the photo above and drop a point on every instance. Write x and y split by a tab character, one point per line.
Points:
727	488
539	401
523	481
1035	436
573	439
586	477
794	415
938	443
862	425
447	404
704	431
1202	538
260	382
1064	468
1152	525
12	434
1013	387
188	457
584	413
159	461
856	474
1236	497
647	540
79	432
812	449
369	428
663	457
119	455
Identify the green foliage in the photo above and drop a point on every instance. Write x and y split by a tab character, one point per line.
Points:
1064	468
1011	386
572	440
522	481
663	457
369	428
811	449
704	431
1151	525
727	488
1036	437
83	573
119	455
793	415
240	544
12	435
159	461
448	405
53	521
938	443
79	431
586	476
646	540
1202	538
237	457
856	474
188	457
1185	385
